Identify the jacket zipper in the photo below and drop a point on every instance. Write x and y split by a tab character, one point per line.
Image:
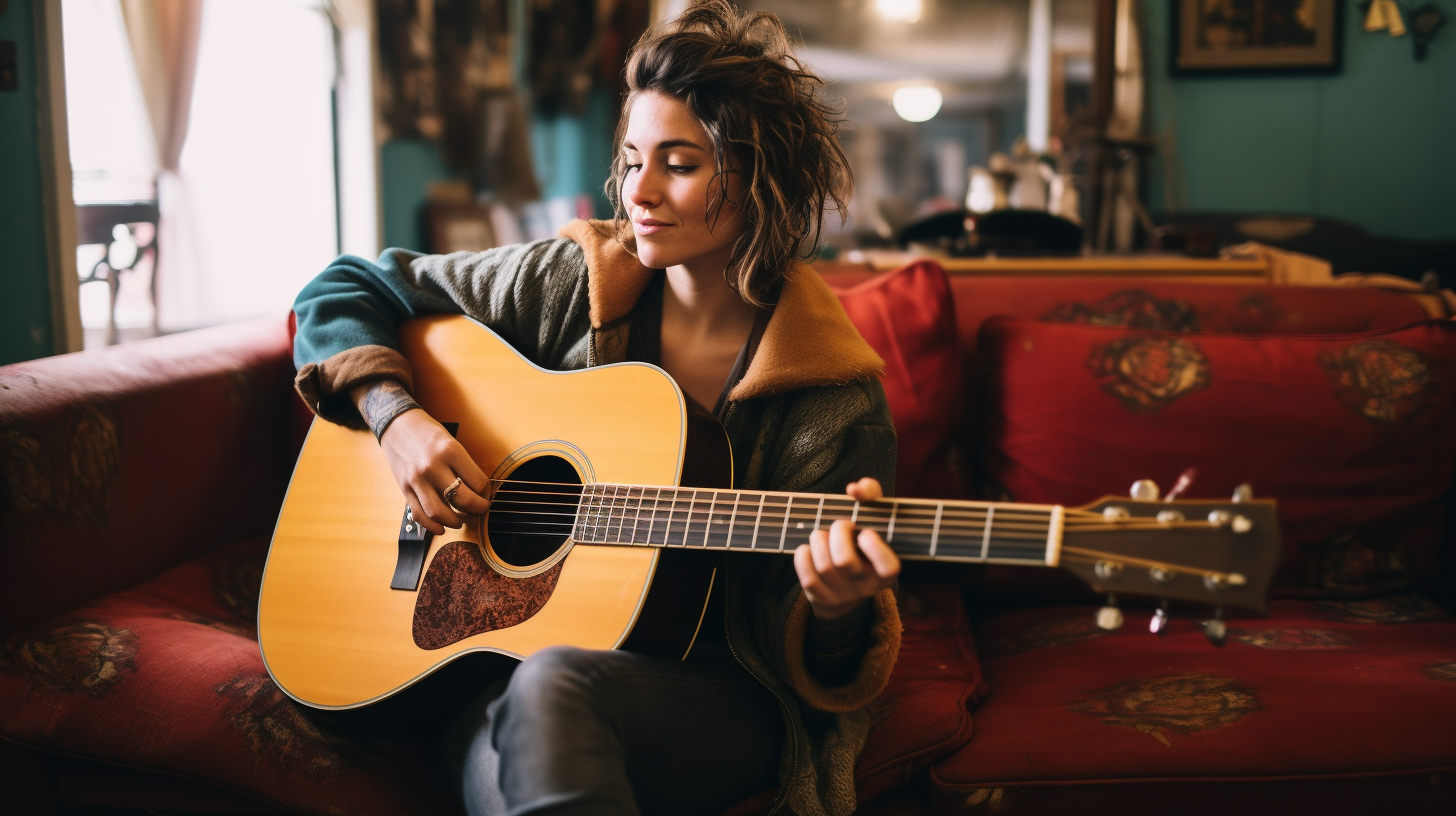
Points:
783	796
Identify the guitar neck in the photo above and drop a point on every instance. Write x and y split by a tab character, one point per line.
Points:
761	521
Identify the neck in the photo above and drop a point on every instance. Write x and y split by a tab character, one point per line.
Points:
758	521
697	296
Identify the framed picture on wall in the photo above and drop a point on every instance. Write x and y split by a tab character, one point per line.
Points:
1220	37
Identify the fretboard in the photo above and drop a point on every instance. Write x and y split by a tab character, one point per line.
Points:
758	521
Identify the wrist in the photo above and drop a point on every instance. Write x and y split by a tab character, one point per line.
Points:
381	403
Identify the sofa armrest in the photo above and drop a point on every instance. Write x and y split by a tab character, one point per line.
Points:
119	463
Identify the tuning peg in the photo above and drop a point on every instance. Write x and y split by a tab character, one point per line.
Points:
1215	629
1110	617
1159	624
1145	490
1244	493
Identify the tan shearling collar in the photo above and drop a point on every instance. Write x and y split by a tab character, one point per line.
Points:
809	339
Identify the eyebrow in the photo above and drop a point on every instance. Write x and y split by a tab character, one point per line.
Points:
669	144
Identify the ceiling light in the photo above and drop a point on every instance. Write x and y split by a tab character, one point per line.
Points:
916	103
903	10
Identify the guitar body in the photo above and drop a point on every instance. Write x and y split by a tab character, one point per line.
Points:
333	631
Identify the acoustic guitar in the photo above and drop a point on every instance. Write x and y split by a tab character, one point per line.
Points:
611	504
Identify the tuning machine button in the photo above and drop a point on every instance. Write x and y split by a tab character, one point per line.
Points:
1107	569
1160	575
1115	513
1244	493
1159	623
1110	617
1215	629
1145	490
1170	516
1214	581
1241	524
1219	518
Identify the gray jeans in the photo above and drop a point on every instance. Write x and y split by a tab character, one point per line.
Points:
608	732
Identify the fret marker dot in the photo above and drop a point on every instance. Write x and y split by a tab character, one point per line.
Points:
801	525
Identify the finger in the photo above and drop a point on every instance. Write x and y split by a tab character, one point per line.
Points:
865	490
420	516
808	577
434	503
819	552
883	560
844	553
471	495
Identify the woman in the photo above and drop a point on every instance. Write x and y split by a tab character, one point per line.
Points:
727	161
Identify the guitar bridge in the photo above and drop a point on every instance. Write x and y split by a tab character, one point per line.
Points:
414	545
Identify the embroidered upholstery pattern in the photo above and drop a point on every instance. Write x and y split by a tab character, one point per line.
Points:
276	730
1357	563
76	658
1441	671
1148	373
462	596
1053	632
1382	381
1412	608
1294	639
1136	308
1183	704
62	473
1256	312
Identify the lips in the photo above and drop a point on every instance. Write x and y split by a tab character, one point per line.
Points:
648	226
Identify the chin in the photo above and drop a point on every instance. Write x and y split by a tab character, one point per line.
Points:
655	257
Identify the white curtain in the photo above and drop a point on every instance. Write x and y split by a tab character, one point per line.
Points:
165	36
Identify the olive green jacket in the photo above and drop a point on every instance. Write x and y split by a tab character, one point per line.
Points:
809	415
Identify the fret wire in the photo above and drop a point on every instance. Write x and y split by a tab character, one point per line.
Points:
708	522
935	531
618	504
762	497
986	537
636	513
819	514
784	535
732	519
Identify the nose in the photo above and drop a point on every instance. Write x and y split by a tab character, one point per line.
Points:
640	188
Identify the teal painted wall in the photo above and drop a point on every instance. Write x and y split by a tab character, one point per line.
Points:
25	298
1374	144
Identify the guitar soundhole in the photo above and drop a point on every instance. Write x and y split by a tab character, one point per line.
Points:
533	510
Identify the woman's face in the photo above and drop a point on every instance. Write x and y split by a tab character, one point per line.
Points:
669	184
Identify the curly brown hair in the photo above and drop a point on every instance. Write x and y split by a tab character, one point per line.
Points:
736	73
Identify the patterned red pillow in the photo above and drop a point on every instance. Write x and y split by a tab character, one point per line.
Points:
908	318
1354	435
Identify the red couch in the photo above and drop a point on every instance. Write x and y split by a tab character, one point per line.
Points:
141	484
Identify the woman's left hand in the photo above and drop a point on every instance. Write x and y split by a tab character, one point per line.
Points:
841	567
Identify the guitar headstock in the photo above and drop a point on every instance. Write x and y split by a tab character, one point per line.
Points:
1217	553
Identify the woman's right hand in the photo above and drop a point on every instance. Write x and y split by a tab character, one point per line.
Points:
425	460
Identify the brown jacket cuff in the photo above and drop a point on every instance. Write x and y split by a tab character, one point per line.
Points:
874	671
325	386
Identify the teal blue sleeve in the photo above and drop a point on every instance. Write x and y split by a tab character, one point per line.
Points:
533	295
358	303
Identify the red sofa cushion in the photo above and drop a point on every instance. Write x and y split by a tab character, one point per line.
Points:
908	318
1318	689
1354	435
168	677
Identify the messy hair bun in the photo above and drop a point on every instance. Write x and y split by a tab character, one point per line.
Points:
737	74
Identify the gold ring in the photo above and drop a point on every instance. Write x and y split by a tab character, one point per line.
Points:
448	494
